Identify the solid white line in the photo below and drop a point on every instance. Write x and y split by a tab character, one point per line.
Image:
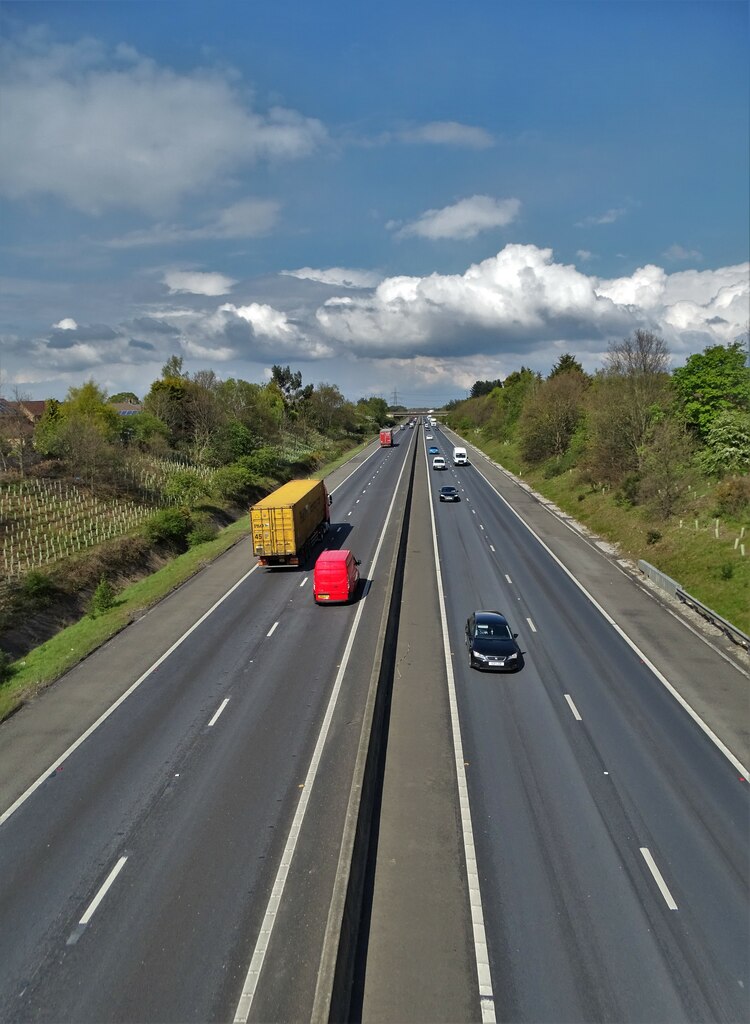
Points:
509	579
481	954
277	891
304	581
272	630
668	899
533	627
120	700
573	708
631	643
103	891
218	711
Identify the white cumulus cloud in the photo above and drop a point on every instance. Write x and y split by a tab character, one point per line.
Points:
522	301
66	324
678	253
197	282
99	128
464	219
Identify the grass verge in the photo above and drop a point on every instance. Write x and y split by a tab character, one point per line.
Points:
709	567
50	660
39	668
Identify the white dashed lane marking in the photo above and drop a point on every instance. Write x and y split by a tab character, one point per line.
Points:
218	712
533	627
668	898
573	708
272	630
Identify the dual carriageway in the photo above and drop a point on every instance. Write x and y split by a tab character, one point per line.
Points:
568	842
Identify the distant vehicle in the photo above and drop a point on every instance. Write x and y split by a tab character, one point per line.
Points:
449	494
439	462
460	458
386	437
433	450
335	577
286	523
428	437
492	645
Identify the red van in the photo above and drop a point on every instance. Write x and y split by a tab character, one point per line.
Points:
336	576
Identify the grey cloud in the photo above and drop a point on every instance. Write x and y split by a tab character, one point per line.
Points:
126	132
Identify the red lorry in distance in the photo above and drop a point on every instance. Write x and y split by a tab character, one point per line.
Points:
386	437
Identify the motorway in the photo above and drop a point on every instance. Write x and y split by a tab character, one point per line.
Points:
178	864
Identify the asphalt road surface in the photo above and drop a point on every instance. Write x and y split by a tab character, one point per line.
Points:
565	843
611	834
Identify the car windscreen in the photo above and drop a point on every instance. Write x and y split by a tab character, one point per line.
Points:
496	631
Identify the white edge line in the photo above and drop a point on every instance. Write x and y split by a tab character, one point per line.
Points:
481	954
631	643
273	628
103	891
277	890
663	888
573	708
218	712
120	700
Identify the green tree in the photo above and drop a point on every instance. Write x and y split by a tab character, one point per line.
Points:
711	382
630	394
727	444
566	364
125	396
664	468
550	415
508	401
484	387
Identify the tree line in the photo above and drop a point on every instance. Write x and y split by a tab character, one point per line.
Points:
198	417
633	426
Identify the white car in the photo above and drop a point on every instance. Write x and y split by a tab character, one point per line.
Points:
428	437
438	462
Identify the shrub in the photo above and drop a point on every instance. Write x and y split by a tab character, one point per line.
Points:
6	670
203	530
653	537
726	571
169	526
102	599
733	496
627	494
232	483
36	590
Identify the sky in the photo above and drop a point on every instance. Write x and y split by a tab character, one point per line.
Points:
398	198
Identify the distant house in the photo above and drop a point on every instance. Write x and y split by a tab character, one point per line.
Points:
31	411
126	408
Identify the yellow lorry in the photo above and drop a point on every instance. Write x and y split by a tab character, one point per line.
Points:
287	522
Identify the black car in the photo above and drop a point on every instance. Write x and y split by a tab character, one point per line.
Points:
449	494
492	645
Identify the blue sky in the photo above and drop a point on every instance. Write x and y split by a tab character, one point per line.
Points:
403	196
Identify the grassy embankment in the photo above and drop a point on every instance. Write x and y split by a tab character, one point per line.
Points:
46	663
711	569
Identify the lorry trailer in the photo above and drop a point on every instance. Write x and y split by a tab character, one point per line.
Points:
286	523
386	437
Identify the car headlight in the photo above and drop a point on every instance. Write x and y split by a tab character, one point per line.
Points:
479	657
510	657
